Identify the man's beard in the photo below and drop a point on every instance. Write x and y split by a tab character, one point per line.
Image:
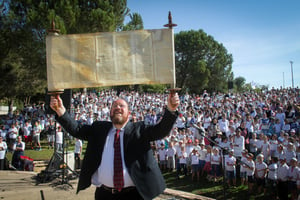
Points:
118	119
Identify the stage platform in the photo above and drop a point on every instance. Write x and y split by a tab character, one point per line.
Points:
20	185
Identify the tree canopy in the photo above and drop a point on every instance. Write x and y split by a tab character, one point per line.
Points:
201	62
239	82
23	28
136	23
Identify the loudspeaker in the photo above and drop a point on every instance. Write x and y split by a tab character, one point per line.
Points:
66	98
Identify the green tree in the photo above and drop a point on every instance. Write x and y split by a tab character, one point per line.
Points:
239	82
264	87
23	28
21	72
135	23
201	62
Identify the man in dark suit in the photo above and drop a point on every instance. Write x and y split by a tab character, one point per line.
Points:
140	175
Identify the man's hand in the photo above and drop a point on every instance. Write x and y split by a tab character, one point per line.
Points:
57	105
173	101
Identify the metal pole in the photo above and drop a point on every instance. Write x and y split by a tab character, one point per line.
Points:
292	74
42	194
283	78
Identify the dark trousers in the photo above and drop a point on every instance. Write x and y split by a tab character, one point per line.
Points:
16	160
104	194
77	161
2	162
181	166
282	188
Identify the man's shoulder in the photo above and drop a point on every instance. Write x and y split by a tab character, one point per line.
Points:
102	123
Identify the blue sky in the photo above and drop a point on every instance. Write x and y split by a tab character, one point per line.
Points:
263	36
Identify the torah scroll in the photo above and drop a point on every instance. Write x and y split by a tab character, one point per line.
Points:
110	59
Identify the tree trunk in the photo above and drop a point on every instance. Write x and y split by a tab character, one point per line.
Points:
27	101
10	106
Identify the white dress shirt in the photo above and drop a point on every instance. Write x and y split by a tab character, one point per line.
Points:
105	173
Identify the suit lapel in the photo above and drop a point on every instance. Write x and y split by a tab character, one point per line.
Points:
127	131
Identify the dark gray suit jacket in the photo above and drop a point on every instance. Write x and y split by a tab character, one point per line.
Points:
138	155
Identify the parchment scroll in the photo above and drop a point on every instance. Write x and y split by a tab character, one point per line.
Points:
109	59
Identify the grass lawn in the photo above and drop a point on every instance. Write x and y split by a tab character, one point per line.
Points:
202	187
45	153
209	189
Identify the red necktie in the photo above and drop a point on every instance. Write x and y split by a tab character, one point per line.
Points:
118	169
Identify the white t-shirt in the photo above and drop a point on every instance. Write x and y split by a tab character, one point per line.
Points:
273	145
251	164
215	159
265	148
223	125
208	157
59	137
260	168
13	132
36	130
206	122
244	160
189	149
259	143
229	163
239	145
183	156
293	173
289	155
162	154
282	173
3	134
253	145
202	153
195	159
78	145
27	130
171	151
273	171
180	122
2	152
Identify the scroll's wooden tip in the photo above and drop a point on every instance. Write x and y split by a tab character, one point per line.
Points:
55	92
173	90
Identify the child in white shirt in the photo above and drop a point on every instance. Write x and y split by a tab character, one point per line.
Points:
182	155
272	177
194	155
243	174
293	177
230	167
250	169
273	145
261	169
216	163
162	157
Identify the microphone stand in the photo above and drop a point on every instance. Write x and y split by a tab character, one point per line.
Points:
223	155
224	150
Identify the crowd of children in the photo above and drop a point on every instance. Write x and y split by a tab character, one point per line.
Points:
257	144
251	137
